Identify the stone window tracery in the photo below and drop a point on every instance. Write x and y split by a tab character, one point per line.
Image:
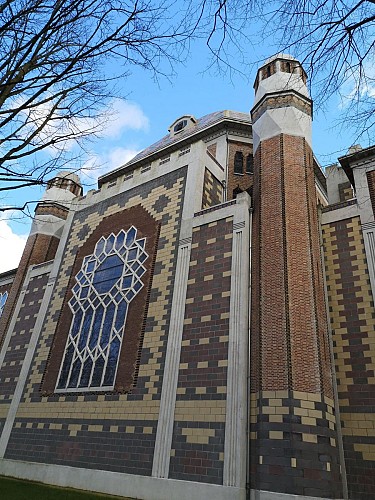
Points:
107	282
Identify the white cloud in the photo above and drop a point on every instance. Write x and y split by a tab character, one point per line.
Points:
124	115
120	156
11	247
120	115
99	164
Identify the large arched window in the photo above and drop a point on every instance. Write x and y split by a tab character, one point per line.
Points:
106	284
3	299
238	163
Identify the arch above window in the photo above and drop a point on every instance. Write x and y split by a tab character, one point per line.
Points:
107	282
99	334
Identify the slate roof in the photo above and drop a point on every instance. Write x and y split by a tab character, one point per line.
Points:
167	141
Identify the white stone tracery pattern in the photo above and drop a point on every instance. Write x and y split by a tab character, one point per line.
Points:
108	281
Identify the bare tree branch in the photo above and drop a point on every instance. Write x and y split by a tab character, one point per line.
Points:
54	93
52	88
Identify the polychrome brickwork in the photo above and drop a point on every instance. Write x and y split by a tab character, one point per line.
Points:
113	444
352	316
289	343
126	375
20	337
4	407
212	190
345	191
293	443
198	437
287	275
298	102
80	429
39	248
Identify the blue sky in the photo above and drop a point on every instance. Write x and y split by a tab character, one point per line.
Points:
150	108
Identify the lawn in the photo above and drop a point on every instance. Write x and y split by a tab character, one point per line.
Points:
14	489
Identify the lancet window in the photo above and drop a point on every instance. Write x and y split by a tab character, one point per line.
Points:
238	163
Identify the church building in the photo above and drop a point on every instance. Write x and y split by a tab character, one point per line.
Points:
201	326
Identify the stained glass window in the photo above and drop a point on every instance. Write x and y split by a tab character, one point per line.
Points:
3	299
107	282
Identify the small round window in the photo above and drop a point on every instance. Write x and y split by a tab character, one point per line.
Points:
179	126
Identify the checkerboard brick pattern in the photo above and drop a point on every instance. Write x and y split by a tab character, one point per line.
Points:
79	429
212	190
293	443
199	428
353	325
113	444
20	337
345	191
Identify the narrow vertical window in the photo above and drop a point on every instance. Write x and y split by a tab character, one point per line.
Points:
238	163
250	164
3	299
105	285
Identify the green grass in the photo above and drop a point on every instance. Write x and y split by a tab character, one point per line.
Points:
14	489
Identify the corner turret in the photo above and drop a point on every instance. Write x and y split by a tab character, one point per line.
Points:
282	102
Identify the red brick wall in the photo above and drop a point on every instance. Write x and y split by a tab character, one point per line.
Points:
39	248
292	410
371	186
237	181
292	323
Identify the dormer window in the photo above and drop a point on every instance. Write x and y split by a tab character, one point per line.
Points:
182	124
179	126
